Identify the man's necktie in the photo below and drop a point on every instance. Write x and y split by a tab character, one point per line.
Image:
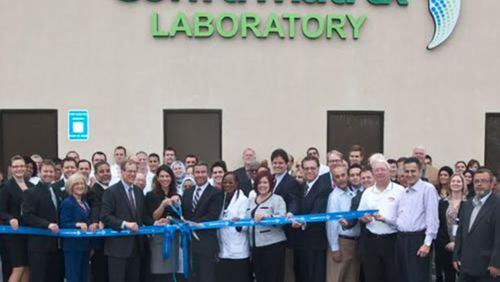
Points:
53	197
196	197
131	198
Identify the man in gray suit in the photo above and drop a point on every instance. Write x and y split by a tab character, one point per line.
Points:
477	251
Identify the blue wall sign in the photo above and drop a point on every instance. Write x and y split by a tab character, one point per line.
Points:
78	125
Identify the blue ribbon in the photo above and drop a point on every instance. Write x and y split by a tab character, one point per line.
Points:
186	228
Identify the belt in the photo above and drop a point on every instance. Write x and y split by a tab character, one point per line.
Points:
349	237
379	236
412	233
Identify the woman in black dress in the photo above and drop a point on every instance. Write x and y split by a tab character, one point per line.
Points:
159	203
11	198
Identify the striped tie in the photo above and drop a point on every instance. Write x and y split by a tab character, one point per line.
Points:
196	197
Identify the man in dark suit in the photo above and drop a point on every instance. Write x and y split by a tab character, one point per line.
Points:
69	167
123	207
203	203
40	209
99	263
243	173
477	245
310	238
289	189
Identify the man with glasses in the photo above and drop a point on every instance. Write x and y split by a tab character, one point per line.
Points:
310	241
333	159
477	245
124	207
313	152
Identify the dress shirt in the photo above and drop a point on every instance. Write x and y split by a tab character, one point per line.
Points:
202	187
386	202
323	169
309	185
278	178
339	200
149	182
477	204
126	187
418	210
115	174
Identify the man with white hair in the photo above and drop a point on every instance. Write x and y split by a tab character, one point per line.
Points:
377	245
243	173
429	172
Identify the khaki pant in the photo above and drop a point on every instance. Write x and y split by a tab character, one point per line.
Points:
348	269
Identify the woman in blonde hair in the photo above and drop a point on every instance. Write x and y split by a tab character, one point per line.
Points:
448	221
75	213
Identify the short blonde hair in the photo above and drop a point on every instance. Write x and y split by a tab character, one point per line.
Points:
74	179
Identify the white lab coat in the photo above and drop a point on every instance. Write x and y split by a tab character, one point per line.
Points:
233	244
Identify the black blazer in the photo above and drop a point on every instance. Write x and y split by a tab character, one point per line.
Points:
289	189
443	238
60	189
313	237
479	247
244	180
354	207
327	178
94	198
209	208
11	198
115	209
39	211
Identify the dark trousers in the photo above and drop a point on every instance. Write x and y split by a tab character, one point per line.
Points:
412	268
166	278
378	257
444	265
202	268
76	265
6	268
310	265
99	266
269	262
230	270
46	267
469	278
124	269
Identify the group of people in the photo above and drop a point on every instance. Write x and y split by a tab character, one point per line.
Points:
425	217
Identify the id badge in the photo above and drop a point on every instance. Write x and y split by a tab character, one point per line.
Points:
454	230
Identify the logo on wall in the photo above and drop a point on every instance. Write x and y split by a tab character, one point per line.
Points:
445	14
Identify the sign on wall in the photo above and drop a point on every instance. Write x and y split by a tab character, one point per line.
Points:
78	125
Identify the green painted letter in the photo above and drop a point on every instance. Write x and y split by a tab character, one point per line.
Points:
181	24
154	25
273	24
250	21
338	26
291	23
203	21
305	26
356	24
234	25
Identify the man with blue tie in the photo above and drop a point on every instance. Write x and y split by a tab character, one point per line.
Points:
123	207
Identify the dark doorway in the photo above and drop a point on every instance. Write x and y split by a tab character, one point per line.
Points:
197	132
492	142
27	132
346	128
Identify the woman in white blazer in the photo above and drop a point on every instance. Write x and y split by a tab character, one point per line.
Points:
234	262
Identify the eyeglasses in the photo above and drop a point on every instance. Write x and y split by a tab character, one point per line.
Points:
310	168
482	181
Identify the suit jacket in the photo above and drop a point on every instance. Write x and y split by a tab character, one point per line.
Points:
71	214
354	207
208	208
11	199
60	189
313	237
327	178
39	211
479	247
115	209
244	180
94	197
